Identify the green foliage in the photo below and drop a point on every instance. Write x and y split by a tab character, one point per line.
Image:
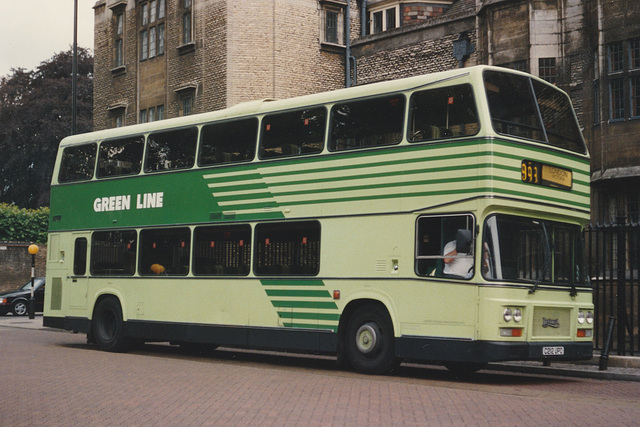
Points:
23	225
35	114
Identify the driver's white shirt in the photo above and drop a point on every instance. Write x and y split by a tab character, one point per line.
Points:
461	265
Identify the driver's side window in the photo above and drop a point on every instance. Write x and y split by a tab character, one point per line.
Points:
444	246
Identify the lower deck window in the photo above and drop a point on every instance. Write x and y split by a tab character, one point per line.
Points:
290	248
165	251
113	253
222	250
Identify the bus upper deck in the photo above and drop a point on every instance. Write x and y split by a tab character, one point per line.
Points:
483	131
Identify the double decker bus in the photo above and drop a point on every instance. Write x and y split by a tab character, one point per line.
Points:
434	218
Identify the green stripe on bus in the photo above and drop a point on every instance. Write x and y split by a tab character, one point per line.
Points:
291	282
309	316
472	191
384	185
304	304
298	293
310	326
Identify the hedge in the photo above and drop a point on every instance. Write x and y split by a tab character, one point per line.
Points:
23	225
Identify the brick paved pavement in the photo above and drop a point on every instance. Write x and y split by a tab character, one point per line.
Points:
71	383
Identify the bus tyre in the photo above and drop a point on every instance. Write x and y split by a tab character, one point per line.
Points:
369	340
108	326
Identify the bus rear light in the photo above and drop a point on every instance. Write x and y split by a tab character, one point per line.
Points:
585	333
511	332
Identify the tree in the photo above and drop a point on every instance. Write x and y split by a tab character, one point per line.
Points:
35	114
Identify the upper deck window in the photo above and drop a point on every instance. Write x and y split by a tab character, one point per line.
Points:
525	108
226	142
78	163
171	150
367	123
293	132
447	112
120	157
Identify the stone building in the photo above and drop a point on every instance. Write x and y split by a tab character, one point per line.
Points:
612	108
157	59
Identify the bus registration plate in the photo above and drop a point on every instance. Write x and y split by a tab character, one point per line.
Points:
552	351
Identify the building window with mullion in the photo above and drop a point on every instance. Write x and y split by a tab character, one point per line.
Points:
616	99
634	84
152	14
187	22
118	40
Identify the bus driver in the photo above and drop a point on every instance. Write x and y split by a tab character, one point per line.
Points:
457	264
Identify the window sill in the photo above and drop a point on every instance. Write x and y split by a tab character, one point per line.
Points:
186	48
122	69
332	47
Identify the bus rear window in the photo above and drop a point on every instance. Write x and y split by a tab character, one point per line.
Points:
293	132
228	142
120	157
367	123
78	163
171	150
447	112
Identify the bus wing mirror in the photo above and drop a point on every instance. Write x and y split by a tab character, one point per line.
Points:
463	241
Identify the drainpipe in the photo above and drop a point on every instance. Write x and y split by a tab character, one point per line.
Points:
363	18
347	59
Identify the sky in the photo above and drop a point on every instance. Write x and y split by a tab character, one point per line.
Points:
32	31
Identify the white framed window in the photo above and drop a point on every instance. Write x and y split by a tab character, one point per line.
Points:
383	18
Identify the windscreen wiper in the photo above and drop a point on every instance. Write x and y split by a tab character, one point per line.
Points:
547	259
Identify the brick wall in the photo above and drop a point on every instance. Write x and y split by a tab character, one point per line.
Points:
16	264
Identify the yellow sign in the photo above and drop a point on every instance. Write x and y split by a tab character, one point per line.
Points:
560	177
542	174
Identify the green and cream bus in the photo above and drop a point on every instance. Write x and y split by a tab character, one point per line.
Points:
434	218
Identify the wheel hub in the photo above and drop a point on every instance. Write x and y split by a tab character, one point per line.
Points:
367	338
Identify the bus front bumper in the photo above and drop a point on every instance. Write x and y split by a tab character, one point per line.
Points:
470	351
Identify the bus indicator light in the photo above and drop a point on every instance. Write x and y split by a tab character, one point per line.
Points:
336	294
511	332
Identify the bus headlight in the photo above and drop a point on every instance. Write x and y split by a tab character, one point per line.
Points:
517	315
581	317
507	315
590	317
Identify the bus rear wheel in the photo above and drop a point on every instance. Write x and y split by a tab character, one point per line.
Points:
369	341
108	326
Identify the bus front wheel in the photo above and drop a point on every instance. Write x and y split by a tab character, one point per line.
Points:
369	340
108	326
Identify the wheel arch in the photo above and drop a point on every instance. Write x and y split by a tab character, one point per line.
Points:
357	303
106	293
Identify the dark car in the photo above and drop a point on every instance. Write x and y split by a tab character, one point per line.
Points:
17	302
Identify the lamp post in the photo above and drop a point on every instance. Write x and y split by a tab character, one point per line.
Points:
33	250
